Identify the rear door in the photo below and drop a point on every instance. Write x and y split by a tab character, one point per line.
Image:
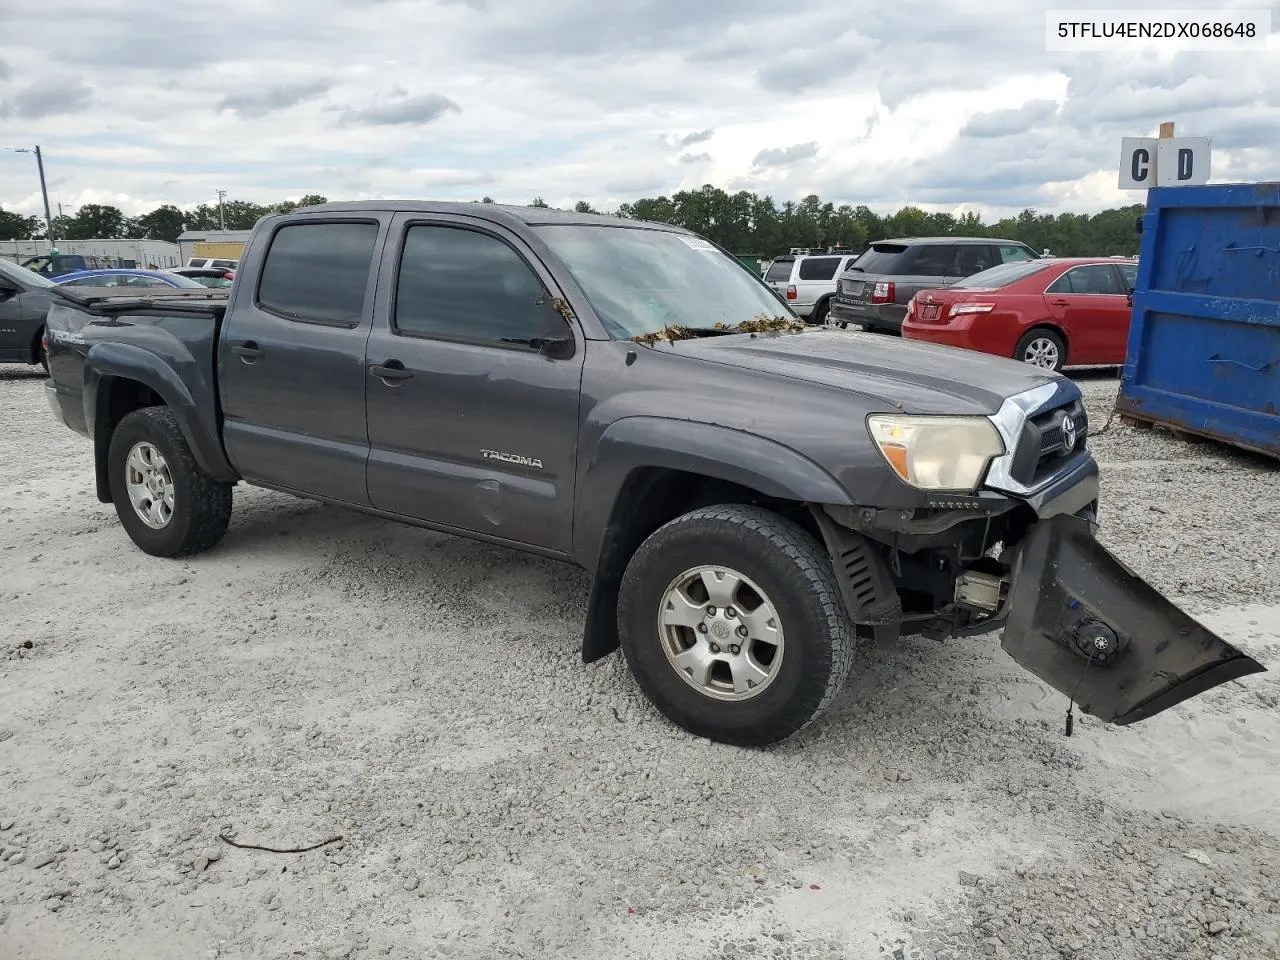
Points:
933	265
815	279
291	359
473	419
1090	306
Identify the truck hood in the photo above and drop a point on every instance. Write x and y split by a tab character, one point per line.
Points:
911	375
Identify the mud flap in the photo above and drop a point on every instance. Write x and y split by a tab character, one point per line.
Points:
1090	628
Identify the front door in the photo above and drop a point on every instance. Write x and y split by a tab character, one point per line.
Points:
291	359
473	380
1090	305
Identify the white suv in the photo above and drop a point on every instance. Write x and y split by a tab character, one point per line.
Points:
808	281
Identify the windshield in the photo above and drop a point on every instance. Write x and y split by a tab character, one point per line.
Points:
641	281
1002	275
21	275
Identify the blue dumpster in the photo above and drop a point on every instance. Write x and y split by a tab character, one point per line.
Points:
1204	339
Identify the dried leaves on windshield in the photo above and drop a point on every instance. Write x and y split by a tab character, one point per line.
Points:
665	335
761	323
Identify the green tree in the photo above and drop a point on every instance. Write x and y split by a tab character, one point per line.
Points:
163	223
583	207
538	202
93	221
14	226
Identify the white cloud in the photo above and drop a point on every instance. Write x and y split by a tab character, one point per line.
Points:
947	106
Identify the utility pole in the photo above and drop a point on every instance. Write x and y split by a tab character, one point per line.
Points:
222	220
44	192
44	189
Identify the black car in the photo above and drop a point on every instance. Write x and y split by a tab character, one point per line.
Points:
24	301
875	289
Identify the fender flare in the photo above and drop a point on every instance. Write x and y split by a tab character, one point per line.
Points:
629	448
107	361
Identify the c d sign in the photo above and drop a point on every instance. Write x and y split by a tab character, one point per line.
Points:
1147	162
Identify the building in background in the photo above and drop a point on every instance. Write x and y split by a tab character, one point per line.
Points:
127	254
222	244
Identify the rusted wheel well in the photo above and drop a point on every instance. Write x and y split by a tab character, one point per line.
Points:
117	398
649	498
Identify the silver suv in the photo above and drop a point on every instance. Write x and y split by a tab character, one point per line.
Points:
808	281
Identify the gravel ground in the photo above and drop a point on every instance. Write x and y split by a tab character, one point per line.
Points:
322	674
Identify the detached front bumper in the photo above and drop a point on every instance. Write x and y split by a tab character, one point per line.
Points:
1070	612
1092	629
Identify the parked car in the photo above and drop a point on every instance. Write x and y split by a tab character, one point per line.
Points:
133	279
807	282
206	276
1047	312
748	494
24	301
876	288
210	263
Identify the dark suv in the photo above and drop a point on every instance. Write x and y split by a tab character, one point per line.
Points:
876	288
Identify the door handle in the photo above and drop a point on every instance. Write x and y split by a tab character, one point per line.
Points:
1061	303
248	351
1240	363
392	370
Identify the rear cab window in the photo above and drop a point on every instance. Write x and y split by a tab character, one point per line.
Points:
318	272
780	270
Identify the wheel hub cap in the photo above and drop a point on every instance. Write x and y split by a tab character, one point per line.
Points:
1042	353
720	633
150	485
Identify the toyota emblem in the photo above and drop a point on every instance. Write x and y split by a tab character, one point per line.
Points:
1068	434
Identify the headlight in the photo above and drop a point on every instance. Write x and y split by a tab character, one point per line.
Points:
937	453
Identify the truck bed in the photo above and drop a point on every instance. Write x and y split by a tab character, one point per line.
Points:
166	339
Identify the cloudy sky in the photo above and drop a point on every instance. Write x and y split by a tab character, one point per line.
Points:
951	105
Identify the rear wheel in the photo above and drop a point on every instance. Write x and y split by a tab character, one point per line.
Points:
819	315
166	503
1041	348
731	620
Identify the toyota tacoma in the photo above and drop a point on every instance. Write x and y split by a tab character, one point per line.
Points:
751	498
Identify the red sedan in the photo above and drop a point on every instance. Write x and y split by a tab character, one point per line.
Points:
1049	312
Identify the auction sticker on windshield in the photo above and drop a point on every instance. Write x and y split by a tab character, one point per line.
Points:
698	243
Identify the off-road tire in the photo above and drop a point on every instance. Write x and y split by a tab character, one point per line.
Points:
202	505
819	315
793	570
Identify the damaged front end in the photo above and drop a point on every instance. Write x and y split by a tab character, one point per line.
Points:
1071	612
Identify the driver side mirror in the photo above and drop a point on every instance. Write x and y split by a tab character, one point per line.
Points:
8	291
560	349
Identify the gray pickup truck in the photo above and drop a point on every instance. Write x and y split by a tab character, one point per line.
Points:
752	498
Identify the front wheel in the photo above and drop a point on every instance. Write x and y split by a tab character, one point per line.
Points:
1041	348
732	622
166	503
